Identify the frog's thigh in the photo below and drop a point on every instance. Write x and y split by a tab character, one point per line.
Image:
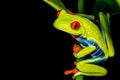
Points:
91	69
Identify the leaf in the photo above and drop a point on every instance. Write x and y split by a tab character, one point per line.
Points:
56	4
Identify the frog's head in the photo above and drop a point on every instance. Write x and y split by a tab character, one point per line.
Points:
76	25
69	23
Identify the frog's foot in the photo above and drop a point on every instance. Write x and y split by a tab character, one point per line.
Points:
77	48
73	71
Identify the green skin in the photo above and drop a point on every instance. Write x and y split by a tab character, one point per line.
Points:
89	30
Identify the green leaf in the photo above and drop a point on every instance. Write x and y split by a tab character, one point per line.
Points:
56	4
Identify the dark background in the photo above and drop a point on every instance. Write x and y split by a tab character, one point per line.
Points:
53	48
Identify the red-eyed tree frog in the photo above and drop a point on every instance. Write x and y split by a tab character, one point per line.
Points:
94	43
91	41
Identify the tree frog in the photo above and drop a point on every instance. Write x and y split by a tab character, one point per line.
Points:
92	41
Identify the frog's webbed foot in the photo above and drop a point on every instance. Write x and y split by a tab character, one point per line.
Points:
73	71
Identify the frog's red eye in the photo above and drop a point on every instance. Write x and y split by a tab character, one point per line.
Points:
58	12
75	25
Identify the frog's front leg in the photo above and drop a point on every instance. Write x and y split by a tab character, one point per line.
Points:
86	67
85	51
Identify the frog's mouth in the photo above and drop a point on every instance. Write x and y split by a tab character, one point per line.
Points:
76	36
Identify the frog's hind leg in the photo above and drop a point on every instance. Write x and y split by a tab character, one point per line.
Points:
91	70
86	68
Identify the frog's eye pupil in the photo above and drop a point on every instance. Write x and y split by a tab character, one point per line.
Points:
58	12
75	25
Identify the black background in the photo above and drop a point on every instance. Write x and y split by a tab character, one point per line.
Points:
51	49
